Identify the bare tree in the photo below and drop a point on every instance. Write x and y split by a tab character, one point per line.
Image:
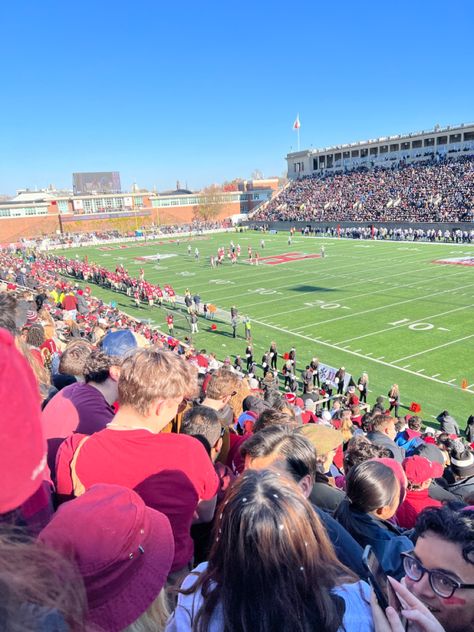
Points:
211	203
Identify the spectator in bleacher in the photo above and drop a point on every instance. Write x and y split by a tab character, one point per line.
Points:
84	407
268	535
171	472
373	497
123	550
326	442
419	472
283	449
448	423
219	389
462	467
441	563
410	437
383	433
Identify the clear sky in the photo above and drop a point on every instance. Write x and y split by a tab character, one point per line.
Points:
208	91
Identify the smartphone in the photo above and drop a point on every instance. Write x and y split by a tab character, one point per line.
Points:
385	594
377	577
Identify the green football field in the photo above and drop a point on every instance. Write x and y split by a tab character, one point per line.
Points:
381	307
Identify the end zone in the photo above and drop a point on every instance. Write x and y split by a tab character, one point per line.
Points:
456	261
287	257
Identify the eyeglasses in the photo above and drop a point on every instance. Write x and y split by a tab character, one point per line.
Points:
441	584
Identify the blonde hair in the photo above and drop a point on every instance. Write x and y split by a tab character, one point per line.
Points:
154	618
222	383
150	374
41	374
347	428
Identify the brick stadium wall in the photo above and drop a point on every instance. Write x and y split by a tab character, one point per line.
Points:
13	229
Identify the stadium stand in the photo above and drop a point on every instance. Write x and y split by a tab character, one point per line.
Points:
432	191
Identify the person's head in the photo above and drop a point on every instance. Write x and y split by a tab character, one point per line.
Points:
273	417
38	587
118	343
373	488
35	335
325	442
123	549
221	387
268	535
384	424
8	306
98	367
444	544
153	383
279	447
420	472
74	357
462	460
359	449
414	423
203	423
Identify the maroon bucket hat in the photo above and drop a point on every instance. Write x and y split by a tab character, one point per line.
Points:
123	549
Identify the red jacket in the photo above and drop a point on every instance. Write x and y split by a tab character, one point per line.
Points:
414	503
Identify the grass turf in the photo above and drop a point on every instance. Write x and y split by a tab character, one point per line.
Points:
382	307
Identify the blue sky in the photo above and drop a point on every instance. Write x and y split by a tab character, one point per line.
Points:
207	91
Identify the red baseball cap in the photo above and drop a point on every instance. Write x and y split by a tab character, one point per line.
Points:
22	446
419	469
123	549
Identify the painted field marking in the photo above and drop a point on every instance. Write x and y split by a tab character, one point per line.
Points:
446	344
436	375
406	366
450	381
403	323
383	281
375	309
336	269
360	355
421	371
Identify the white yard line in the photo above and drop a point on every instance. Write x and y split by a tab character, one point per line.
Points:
360	355
446	344
405	324
376	309
348	298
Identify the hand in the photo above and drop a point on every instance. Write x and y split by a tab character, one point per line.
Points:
417	615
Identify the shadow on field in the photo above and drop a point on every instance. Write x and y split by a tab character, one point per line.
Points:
311	288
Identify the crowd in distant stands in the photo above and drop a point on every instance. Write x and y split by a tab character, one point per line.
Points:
147	487
449	236
438	191
76	239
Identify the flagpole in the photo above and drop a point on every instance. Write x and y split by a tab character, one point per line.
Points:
298	138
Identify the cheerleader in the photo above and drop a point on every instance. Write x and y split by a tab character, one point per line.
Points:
363	386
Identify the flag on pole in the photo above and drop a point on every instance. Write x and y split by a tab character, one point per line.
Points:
296	124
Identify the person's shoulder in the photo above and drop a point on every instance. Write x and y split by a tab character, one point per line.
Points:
357	615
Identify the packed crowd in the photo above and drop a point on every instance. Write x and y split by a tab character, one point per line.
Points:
382	233
98	236
440	191
145	487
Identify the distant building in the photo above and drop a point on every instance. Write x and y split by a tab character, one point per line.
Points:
39	213
384	152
